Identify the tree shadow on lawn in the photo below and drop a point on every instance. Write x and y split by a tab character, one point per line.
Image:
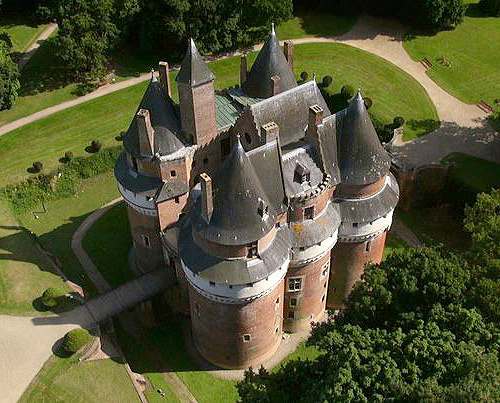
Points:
423	126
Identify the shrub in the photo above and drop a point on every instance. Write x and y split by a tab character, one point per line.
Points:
75	339
398	121
327	80
95	145
304	76
37	166
368	102
347	92
68	156
384	131
9	77
52	296
490	7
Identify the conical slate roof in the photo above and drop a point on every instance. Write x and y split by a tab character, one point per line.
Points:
270	62
361	157
194	71
163	119
237	190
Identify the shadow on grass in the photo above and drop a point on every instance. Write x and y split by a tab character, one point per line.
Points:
423	126
59	351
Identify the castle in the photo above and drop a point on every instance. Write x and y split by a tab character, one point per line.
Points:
260	204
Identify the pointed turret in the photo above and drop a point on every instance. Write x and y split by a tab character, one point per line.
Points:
241	211
270	73
195	82
362	159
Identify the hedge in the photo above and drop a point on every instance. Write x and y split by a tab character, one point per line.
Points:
52	296
75	339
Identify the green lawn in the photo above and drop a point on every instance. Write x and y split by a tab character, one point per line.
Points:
21	32
100	243
56	227
393	243
473	51
67	380
314	24
24	272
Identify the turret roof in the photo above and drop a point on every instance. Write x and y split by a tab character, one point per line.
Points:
194	71
237	193
270	62
361	157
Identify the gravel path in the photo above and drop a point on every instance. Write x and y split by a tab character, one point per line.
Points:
31	50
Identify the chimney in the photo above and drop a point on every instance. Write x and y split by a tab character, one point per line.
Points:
275	85
269	132
207	205
315	119
164	77
288	49
243	69
146	132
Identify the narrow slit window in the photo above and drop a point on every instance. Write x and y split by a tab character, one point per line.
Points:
145	239
368	246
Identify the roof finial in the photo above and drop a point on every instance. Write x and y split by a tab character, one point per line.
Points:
272	29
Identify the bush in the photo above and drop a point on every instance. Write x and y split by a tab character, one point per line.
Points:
398	121
304	76
368	102
68	156
37	166
490	7
9	77
51	297
384	131
327	80
75	339
95	145
347	92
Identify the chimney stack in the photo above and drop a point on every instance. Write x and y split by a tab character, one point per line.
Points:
164	77
243	69
207	205
315	119
275	85
288	49
146	133
269	132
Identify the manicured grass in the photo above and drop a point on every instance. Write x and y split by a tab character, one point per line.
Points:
473	52
314	24
24	272
56	227
475	174
100	242
67	380
21	33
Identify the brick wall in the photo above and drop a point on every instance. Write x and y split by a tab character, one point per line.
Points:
307	304
169	210
348	261
319	202
219	329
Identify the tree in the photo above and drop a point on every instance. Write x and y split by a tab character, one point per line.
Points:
9	76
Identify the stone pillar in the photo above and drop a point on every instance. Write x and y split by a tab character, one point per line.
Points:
275	85
146	133
206	197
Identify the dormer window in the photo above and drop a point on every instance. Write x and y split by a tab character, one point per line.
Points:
302	173
263	209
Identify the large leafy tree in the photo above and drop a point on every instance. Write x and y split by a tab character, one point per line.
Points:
9	75
409	333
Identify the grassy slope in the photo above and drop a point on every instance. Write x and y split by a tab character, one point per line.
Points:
67	380
472	48
24	272
101	240
21	33
56	227
314	24
393	243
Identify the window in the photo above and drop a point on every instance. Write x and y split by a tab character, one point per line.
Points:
134	163
197	309
291	315
176	199
277	301
295	284
145	239
368	246
278	224
252	249
293	302
277	330
309	213
323	298
173	173
324	285
205	160
212	283
325	269
247	337
355	224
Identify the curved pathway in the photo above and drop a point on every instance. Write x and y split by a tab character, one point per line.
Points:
31	50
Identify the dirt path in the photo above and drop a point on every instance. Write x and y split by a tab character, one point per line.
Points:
406	234
31	50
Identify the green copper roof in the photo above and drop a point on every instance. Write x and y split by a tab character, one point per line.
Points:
226	111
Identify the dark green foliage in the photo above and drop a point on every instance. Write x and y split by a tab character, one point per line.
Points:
398	121
95	146
9	76
51	297
491	7
327	80
304	76
368	102
347	92
37	166
384	131
75	339
68	156
61	183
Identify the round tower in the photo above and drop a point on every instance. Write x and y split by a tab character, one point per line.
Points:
234	253
367	196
